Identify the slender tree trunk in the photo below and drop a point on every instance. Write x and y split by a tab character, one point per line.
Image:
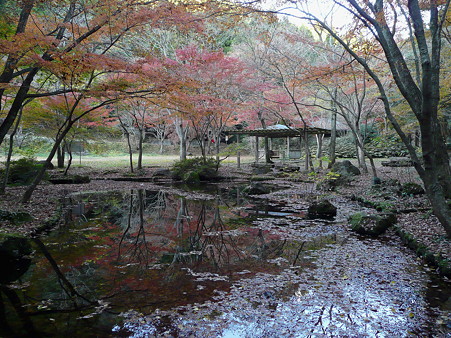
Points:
267	150
140	149
130	150
217	147
333	135
266	139
308	156
360	152
68	146
161	146
319	149
203	147
182	133
7	165
60	156
183	148
10	153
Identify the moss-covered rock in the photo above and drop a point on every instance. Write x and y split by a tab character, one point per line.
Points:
411	189
15	217
371	225
77	179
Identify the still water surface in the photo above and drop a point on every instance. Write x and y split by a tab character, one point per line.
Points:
215	264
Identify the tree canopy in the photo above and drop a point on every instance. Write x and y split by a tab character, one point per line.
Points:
201	66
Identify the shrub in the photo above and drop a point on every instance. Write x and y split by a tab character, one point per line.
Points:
23	171
196	169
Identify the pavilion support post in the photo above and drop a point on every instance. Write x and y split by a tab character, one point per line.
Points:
267	150
300	147
288	148
319	149
256	149
309	164
238	154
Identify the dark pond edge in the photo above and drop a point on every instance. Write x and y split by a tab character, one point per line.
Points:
49	224
435	260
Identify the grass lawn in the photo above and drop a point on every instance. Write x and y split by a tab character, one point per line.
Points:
123	161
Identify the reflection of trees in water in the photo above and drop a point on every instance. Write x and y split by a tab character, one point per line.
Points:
24	317
204	236
161	228
146	209
196	232
64	298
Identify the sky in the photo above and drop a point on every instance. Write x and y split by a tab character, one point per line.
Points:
319	8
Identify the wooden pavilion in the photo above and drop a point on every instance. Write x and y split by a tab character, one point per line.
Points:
279	131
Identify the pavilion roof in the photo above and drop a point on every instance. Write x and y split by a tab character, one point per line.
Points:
279	130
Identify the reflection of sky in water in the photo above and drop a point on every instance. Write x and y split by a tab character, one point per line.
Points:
347	293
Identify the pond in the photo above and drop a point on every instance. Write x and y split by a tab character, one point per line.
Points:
214	263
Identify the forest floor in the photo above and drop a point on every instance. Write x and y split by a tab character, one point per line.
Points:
416	223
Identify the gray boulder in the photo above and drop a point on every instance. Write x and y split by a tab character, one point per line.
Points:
345	168
322	209
257	188
162	173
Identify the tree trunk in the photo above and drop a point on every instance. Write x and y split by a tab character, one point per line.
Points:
7	165
436	174
333	137
319	149
267	150
423	98
10	153
308	156
217	147
182	149
361	154
130	150
161	146
60	156
68	146
17	104
140	149
182	133
435	155
436	196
